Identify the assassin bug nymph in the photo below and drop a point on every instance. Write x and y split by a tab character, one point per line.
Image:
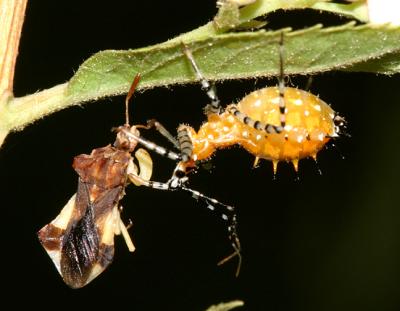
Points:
80	240
274	123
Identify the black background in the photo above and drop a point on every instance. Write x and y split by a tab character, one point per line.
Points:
327	242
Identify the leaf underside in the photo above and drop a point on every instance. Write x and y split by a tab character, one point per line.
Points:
368	48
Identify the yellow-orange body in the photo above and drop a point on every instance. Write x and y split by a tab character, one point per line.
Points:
309	126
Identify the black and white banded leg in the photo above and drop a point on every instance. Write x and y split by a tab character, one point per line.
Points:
227	212
162	130
258	125
209	88
153	147
185	143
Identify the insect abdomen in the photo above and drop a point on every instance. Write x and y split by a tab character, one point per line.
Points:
254	121
309	123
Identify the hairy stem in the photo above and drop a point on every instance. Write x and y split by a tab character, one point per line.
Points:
25	109
12	14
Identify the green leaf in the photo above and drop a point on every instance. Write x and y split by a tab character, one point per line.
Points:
230	16
238	56
388	64
358	9
230	56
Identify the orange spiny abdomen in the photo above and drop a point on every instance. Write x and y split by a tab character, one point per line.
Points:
309	126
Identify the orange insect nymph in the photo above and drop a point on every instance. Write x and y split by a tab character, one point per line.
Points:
273	123
309	126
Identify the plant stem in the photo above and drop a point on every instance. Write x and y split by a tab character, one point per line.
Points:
19	112
12	14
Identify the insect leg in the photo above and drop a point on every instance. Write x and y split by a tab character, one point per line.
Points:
162	130
154	147
137	180
281	86
227	212
120	228
185	143
258	125
268	128
209	88
124	231
308	83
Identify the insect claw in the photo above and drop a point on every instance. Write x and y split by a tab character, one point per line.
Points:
129	225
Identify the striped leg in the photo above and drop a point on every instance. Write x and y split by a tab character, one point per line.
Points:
258	125
226	212
281	86
162	130
154	147
185	143
209	88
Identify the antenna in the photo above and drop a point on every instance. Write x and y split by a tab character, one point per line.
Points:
129	95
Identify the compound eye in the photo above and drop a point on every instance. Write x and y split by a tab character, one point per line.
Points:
180	174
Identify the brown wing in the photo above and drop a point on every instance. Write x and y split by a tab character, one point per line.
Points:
51	235
84	255
80	240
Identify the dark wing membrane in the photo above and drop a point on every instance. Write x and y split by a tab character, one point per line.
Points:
52	235
80	250
82	246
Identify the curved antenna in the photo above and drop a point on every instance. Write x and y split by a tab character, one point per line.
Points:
129	96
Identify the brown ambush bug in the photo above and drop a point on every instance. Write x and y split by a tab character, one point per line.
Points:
80	240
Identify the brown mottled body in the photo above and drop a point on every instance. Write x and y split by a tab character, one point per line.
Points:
80	240
85	243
